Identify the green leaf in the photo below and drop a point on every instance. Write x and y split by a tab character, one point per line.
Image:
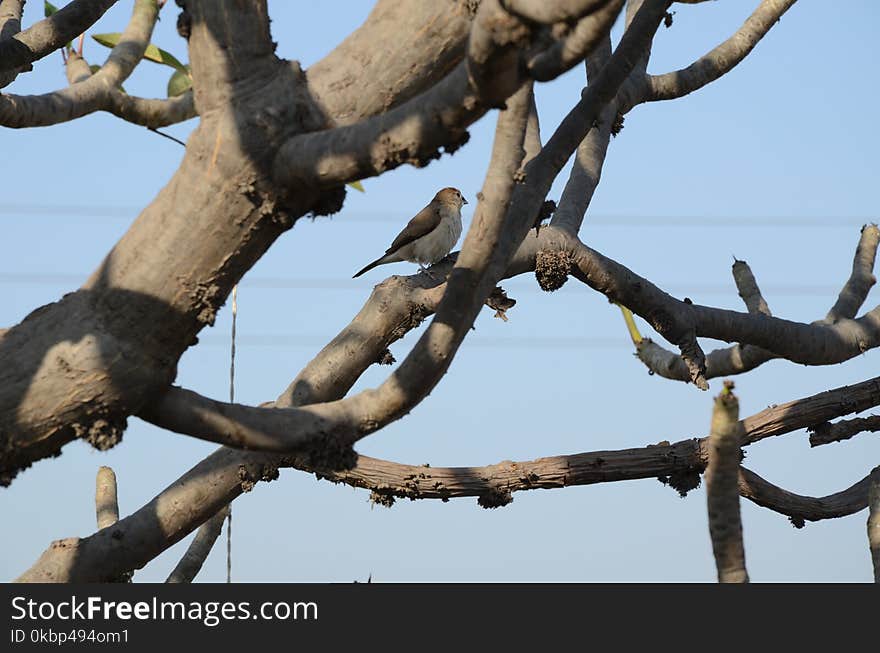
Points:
180	82
357	186
152	53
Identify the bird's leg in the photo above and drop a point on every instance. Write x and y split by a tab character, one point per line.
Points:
427	271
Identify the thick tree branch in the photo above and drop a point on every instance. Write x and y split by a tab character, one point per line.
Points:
197	552
10	19
721	59
248	427
10	25
490	242
874	521
414	132
215	481
475	273
50	33
79	367
555	11
722	495
573	47
368	73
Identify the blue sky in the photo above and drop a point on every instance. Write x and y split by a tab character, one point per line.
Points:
776	164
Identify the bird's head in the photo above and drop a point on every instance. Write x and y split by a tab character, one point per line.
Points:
451	197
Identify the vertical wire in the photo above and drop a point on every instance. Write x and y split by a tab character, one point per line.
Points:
231	400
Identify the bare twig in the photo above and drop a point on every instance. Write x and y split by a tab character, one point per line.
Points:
854	337
50	33
748	288
106	503
586	171
197	552
799	508
827	432
721	59
856	289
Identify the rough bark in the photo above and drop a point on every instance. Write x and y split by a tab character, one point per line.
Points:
275	142
49	34
197	552
78	367
722	493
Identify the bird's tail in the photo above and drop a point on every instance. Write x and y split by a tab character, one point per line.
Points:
379	261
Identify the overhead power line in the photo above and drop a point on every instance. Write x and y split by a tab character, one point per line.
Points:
523	342
63	211
335	284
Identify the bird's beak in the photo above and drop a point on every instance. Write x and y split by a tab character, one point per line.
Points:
463	200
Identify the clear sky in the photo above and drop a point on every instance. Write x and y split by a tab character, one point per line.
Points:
776	164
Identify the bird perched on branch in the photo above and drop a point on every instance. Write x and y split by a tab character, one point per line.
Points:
429	236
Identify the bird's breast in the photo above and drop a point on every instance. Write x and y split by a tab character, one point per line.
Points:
436	245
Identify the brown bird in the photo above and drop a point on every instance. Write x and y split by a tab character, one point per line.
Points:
429	236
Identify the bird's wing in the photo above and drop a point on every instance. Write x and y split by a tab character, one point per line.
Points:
424	222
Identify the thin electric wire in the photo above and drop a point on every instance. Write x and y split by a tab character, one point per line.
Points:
345	284
231	401
599	220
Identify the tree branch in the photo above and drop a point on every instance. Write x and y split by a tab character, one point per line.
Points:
747	286
50	33
10	25
490	242
819	343
218	479
474	275
89	93
415	131
197	552
722	495
557	11
855	290
826	432
106	503
721	59
565	53
874	521
358	80
586	171
10	19
798	507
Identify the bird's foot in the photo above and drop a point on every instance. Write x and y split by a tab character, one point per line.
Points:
427	271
